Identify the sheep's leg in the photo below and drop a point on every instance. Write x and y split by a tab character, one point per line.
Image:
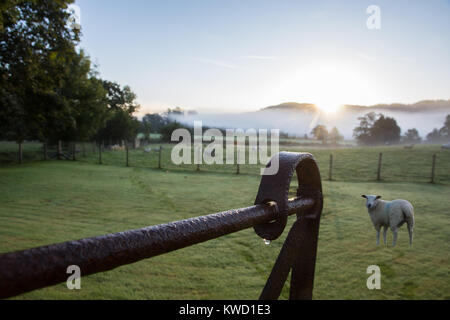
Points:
378	235
394	242
410	231
384	235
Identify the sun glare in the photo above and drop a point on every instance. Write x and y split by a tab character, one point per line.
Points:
333	86
329	108
328	85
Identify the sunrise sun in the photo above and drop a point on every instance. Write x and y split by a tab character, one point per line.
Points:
329	85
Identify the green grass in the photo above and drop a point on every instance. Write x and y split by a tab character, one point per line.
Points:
49	202
355	164
31	151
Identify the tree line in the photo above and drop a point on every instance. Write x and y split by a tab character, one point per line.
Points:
377	129
49	88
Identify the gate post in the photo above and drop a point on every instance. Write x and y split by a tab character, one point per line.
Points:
300	247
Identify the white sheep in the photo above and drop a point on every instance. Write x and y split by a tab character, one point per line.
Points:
391	214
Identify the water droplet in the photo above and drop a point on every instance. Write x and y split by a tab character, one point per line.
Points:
266	242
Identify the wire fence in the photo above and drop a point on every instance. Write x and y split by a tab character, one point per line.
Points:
423	163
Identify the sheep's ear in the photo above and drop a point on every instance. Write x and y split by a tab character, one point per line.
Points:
364	196
378	197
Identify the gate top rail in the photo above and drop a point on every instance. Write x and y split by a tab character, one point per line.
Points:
35	268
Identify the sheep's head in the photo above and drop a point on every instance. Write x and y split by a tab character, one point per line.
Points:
371	200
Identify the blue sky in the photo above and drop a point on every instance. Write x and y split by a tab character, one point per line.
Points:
233	56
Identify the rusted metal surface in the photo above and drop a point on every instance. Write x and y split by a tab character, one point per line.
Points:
31	269
27	270
276	188
300	247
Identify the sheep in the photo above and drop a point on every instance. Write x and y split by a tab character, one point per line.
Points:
391	214
116	147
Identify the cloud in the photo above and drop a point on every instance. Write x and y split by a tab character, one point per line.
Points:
255	57
218	63
229	65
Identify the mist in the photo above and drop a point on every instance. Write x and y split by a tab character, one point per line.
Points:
300	123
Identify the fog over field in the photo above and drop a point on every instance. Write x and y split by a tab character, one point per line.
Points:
300	123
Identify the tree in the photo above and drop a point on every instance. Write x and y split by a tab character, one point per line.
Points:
377	129
362	133
320	132
120	97
445	130
412	136
385	130
440	135
145	128
48	89
155	121
90	109
335	136
435	136
80	108
120	123
168	129
36	43
120	126
175	112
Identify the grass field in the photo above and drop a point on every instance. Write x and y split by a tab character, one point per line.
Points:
349	164
48	202
355	164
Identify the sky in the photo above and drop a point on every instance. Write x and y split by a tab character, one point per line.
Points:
226	56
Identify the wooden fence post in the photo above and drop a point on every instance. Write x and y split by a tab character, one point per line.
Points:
20	153
126	151
126	154
59	150
330	177
159	157
433	167
100	153
380	159
45	150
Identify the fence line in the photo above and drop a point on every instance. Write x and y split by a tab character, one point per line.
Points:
385	169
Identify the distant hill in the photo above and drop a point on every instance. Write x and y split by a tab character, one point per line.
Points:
425	105
293	106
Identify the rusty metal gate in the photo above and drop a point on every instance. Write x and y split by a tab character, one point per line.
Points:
36	268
